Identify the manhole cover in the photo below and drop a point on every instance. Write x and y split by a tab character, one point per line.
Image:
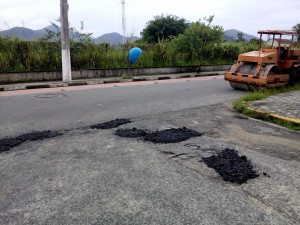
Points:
49	95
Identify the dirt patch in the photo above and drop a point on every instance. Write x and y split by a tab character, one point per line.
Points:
231	166
172	135
8	143
131	133
111	124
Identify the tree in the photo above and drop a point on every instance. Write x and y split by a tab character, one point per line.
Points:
163	27
197	40
240	37
55	33
297	29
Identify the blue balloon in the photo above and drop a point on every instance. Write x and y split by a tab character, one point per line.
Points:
134	54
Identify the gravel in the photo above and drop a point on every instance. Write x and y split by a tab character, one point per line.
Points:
173	135
231	167
131	133
8	143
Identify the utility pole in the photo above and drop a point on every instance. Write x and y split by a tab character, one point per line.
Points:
123	21
65	42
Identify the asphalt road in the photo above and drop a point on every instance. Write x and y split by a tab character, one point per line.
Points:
90	176
73	109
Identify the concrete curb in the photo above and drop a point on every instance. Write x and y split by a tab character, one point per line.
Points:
163	78
78	83
111	81
282	118
139	79
37	86
210	74
49	76
15	87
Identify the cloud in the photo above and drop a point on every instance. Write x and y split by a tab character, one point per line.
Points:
106	16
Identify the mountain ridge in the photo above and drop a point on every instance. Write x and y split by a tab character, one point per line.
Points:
29	34
111	38
231	35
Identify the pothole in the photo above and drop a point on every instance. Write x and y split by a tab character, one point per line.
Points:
8	143
231	167
111	124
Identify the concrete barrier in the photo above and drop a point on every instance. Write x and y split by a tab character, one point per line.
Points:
21	77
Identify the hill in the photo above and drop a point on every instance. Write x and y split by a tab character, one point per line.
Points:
29	34
231	35
113	38
20	32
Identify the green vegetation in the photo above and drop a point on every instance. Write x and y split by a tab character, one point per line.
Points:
240	37
241	105
127	76
297	29
163	27
192	44
200	41
20	56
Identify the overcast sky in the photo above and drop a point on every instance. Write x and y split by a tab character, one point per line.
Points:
105	16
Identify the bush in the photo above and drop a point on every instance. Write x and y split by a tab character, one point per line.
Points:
20	56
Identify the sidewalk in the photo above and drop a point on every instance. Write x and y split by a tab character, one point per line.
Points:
284	106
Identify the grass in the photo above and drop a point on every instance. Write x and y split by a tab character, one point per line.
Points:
18	55
241	105
127	76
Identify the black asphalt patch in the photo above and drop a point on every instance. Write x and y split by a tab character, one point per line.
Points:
111	124
172	135
131	133
231	166
8	143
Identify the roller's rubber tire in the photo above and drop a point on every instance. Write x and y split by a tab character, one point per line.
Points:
238	86
295	76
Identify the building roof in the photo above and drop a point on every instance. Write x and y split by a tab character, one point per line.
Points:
282	32
283	41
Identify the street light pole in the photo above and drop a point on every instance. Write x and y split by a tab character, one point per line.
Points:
65	42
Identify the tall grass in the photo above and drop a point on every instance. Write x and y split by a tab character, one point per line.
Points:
19	55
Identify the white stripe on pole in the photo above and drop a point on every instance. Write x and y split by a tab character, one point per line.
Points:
65	42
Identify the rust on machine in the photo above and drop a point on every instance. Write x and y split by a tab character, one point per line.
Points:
275	64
